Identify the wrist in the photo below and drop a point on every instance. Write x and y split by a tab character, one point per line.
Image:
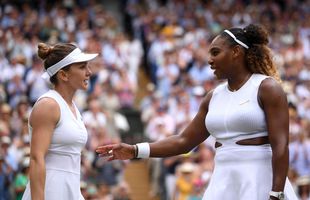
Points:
276	195
135	153
143	150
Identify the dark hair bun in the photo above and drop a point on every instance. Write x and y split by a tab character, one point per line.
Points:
256	34
44	50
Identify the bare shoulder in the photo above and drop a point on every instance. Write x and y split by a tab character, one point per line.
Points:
206	100
271	91
270	86
46	109
208	97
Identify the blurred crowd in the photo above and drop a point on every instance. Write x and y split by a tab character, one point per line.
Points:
165	39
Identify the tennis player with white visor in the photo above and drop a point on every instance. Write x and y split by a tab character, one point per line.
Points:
57	131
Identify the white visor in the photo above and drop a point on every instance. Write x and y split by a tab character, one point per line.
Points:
75	56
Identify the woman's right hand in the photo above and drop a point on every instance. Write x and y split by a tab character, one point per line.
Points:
119	151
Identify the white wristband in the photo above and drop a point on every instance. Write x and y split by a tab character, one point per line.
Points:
143	150
278	195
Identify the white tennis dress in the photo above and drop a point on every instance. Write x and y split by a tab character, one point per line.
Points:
63	159
241	172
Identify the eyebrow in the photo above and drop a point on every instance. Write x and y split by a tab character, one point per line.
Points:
213	48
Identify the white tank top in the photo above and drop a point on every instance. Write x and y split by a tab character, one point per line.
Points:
237	115
68	139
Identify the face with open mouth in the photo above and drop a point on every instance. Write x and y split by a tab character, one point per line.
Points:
220	57
79	75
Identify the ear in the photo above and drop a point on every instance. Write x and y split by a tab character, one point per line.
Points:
237	51
63	75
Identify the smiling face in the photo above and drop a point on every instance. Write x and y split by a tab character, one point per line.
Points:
221	57
78	75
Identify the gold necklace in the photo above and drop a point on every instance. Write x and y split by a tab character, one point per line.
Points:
244	80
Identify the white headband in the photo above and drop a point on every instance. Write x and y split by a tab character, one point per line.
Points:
236	40
75	56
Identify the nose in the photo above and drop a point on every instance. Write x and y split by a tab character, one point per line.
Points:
88	71
210	60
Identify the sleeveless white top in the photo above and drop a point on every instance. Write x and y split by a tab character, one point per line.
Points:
237	115
241	172
63	159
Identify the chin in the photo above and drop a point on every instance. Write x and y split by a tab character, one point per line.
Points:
219	76
84	87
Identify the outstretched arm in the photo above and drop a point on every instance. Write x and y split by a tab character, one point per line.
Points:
274	103
193	135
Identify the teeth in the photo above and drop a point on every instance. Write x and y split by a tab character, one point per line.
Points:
86	81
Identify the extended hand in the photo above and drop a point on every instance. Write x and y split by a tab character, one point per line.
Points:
120	151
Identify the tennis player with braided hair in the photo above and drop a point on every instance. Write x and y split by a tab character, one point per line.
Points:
248	116
57	131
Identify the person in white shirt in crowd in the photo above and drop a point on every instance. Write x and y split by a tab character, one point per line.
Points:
36	85
93	117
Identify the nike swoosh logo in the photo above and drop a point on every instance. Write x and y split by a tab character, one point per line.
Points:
242	103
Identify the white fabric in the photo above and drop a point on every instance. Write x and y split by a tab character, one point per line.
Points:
143	150
236	40
63	159
241	172
240	114
75	56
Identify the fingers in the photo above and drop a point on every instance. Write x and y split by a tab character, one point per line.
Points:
109	152
104	149
106	152
107	158
111	158
106	155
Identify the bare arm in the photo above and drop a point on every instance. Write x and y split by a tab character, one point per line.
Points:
43	120
274	103
194	134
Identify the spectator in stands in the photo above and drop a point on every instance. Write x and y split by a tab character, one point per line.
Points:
21	179
8	165
9	156
185	180
125	86
36	86
95	122
300	164
251	160
205	160
58	132
5	117
122	192
104	192
5	178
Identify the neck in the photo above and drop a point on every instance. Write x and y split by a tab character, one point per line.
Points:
66	93
235	84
